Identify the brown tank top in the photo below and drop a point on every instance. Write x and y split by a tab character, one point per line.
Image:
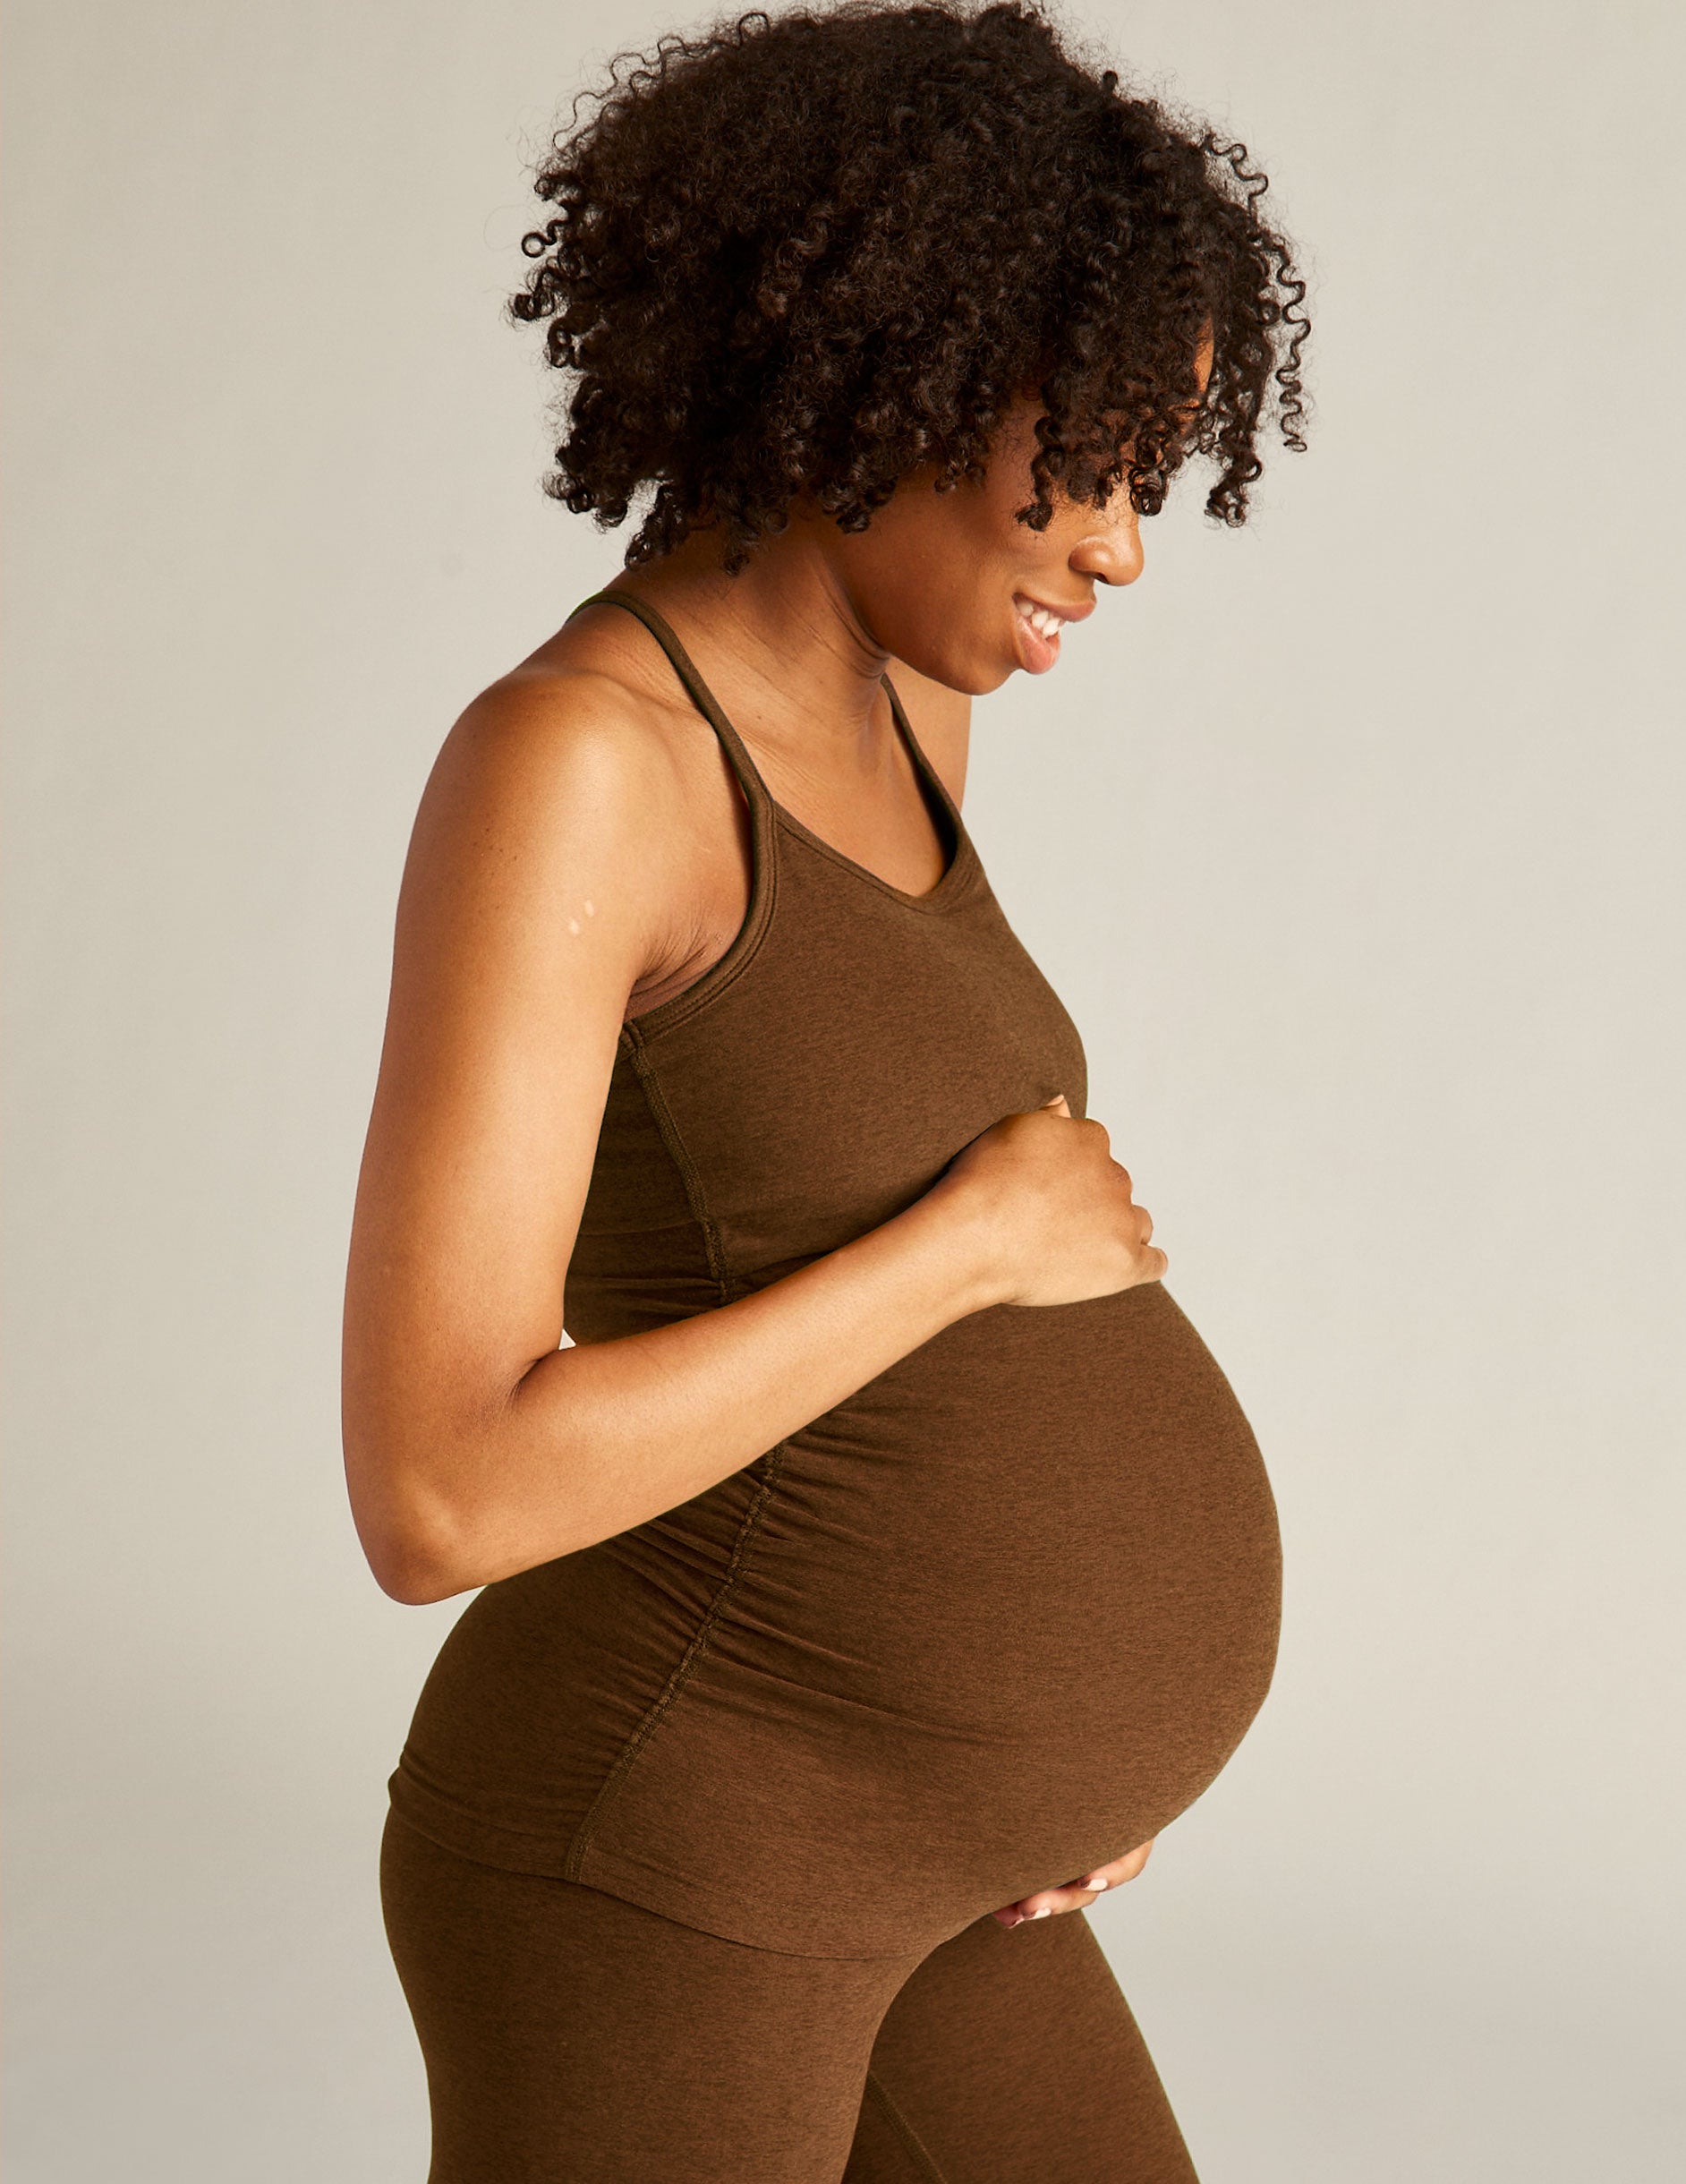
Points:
992	1621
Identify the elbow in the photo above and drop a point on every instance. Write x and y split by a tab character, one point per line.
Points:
415	1568
416	1547
436	1518
416	1582
425	1550
407	1507
418	1565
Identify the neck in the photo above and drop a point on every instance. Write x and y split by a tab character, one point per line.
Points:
780	643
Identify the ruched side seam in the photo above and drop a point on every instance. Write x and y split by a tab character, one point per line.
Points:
693	1654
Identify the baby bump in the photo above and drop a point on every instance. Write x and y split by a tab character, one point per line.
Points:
1000	1618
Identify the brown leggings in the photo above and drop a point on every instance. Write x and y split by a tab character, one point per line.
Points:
573	2038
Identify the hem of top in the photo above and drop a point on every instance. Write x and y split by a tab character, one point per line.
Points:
701	1909
513	1850
545	1858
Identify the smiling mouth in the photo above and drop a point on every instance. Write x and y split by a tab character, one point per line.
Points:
1040	628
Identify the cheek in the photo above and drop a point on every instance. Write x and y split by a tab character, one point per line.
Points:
954	621
939	622
931	578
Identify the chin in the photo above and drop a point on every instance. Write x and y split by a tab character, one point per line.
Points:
970	682
970	675
982	669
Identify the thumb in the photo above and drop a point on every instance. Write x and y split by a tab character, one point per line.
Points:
1058	1104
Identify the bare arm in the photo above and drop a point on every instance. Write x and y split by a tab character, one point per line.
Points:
550	853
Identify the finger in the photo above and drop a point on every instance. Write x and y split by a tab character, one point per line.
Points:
1046	1902
1120	1870
1076	1894
1057	1106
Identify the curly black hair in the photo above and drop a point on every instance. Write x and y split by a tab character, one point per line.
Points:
808	253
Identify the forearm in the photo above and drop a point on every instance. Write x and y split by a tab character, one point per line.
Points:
603	1435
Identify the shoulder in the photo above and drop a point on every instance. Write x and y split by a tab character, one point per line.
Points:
942	720
569	754
554	732
556	784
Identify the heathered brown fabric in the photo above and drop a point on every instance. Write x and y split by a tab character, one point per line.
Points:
986	1625
573	2038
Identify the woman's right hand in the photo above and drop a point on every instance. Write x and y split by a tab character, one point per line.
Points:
1054	1212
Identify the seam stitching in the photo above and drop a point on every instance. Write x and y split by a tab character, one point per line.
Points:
669	1129
693	1654
720	977
905	2130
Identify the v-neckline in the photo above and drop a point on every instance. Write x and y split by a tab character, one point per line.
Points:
963	861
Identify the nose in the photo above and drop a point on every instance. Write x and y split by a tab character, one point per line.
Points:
1112	550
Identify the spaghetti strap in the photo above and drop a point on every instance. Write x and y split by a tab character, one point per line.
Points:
760	797
762	804
927	772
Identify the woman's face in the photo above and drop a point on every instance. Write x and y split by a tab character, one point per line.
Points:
952	584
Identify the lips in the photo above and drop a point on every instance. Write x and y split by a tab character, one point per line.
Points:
1039	630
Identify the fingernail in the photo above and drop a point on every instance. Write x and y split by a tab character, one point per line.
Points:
1046	1912
1096	1881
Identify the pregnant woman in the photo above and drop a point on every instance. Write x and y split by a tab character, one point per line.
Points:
880	1560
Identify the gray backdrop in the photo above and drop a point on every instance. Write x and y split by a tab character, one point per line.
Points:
1352	842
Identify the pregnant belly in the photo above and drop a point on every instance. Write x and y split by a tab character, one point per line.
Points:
993	1621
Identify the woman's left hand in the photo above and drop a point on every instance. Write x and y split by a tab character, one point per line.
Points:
1076	1894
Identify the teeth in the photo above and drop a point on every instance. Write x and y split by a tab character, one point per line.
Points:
1044	624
